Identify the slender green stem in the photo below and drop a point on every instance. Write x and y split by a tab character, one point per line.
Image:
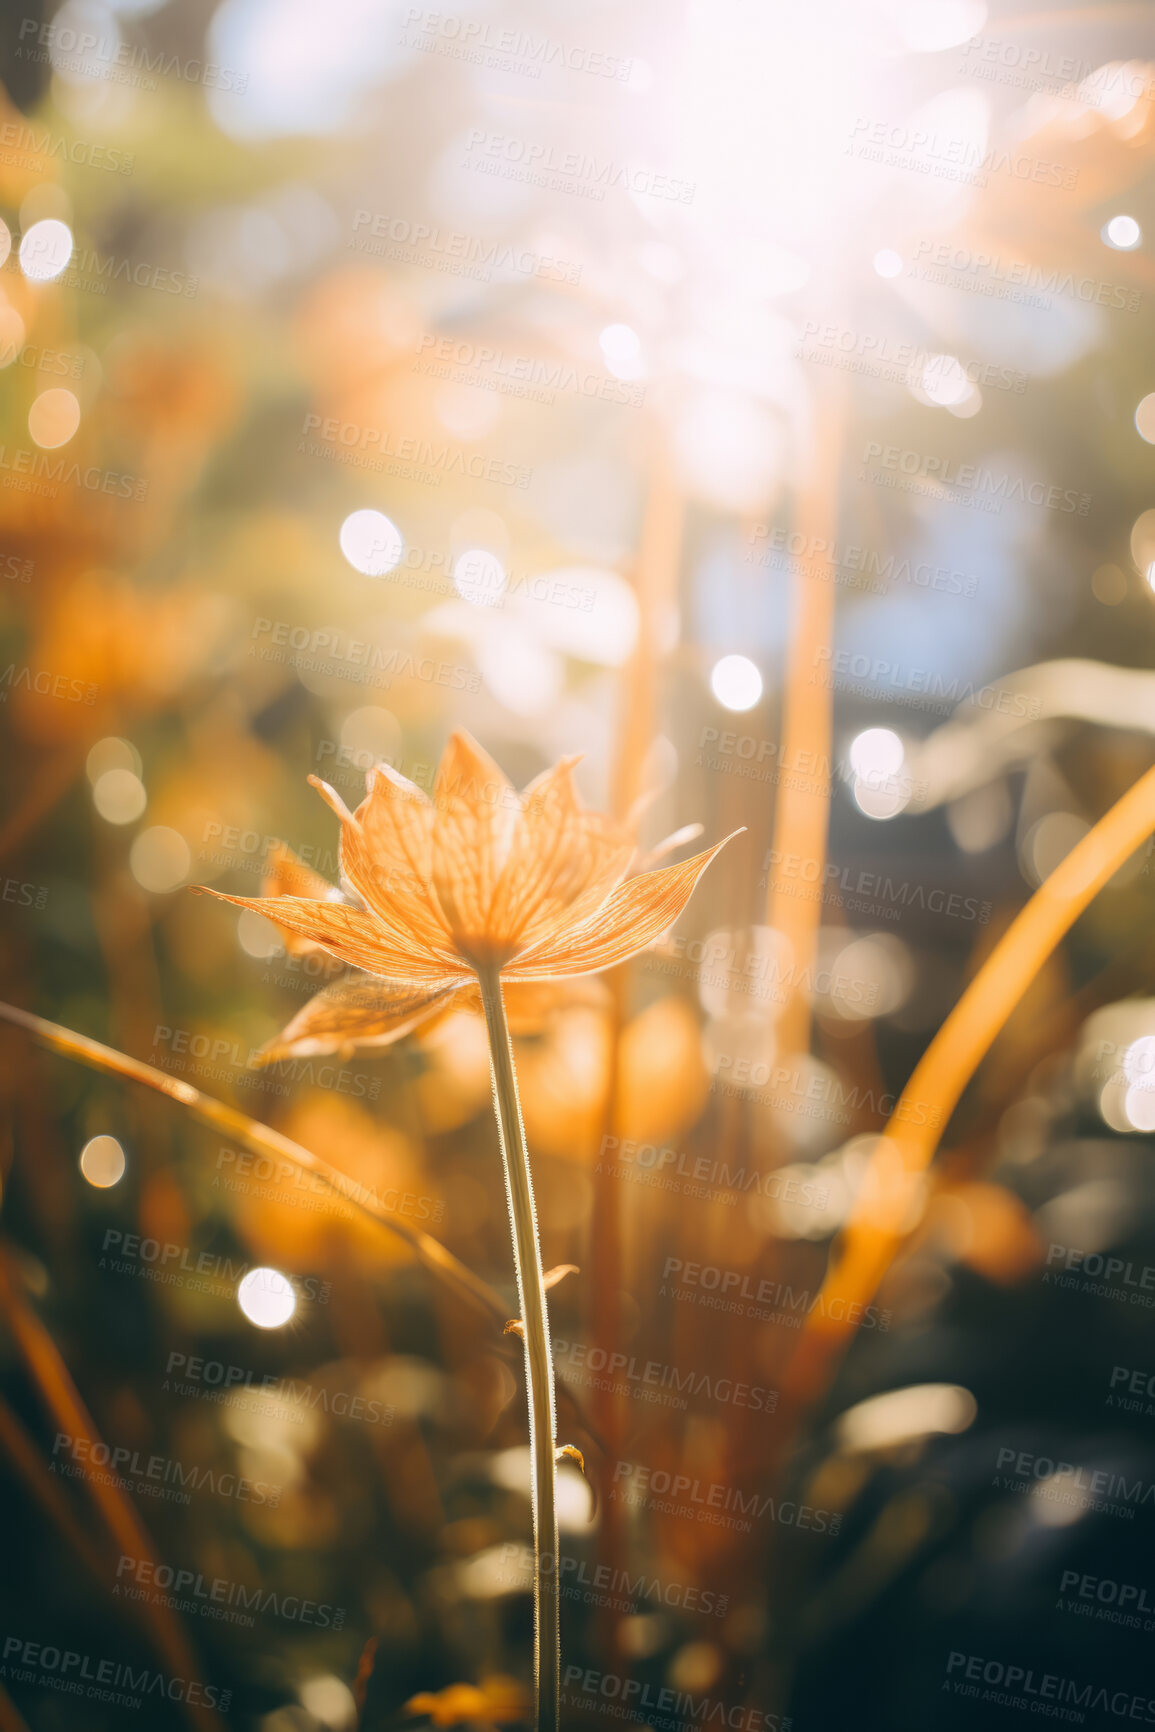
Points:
538	1356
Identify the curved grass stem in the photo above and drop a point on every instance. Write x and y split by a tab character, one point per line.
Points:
888	1204
538	1357
262	1140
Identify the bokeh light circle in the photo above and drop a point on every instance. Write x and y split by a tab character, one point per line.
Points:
876	753
160	859
371	542
267	1298
45	249
1122	232
111	753
53	418
119	796
736	682
102	1162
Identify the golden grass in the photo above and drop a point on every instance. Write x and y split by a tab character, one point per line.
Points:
889	1202
262	1140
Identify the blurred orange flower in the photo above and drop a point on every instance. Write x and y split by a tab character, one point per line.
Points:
495	1700
478	877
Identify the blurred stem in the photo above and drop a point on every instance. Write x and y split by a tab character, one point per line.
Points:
28	1464
11	1719
655	589
889	1200
802	803
45	788
538	1357
60	1395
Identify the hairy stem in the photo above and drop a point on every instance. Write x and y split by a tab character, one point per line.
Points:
538	1357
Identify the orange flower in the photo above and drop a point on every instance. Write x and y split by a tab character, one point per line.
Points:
476	878
497	1700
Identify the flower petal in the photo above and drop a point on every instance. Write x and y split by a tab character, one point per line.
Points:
352	935
286	875
357	1011
386	854
639	911
563	861
476	810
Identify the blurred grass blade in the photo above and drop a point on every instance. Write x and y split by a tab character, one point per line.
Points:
262	1140
11	1719
884	1212
802	804
29	1465
62	1398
